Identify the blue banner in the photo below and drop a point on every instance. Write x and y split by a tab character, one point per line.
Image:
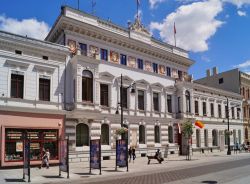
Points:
121	153
95	154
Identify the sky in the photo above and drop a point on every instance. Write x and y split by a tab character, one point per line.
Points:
215	32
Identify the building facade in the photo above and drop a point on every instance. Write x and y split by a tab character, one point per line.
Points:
32	95
237	82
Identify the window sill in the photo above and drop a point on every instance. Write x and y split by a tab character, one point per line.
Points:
87	103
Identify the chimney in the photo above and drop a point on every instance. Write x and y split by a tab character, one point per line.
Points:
208	72
215	70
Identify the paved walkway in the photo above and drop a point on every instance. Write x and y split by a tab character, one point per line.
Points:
80	171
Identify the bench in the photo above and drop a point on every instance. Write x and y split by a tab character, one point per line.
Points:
156	158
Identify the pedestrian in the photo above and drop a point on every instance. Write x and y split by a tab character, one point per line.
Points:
42	158
47	157
130	153
133	154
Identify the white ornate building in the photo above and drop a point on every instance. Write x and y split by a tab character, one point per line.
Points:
85	87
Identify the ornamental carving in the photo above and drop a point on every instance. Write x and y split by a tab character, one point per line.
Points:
114	57
138	27
162	69
72	46
148	66
131	62
93	51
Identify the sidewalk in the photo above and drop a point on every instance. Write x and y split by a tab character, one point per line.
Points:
80	171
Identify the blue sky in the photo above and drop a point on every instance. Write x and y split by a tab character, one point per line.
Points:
216	32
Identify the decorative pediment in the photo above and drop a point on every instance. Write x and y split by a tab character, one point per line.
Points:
137	26
125	80
106	76
16	63
44	68
157	85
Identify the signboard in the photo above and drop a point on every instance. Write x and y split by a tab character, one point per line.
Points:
95	154
121	153
64	157
26	159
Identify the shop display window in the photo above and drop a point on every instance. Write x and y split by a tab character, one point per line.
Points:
39	139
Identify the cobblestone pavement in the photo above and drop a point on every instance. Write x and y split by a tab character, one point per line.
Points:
170	176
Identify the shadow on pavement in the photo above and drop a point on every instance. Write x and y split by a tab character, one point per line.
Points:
52	176
85	174
14	180
184	160
112	170
209	182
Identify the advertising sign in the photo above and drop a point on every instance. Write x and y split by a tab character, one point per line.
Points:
95	154
121	153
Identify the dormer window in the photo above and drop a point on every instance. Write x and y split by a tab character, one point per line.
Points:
18	52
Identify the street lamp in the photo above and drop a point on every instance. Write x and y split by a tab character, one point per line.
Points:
132	86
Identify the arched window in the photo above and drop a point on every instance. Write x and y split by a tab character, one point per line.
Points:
206	137
170	134
226	137
105	134
239	135
141	134
198	138
246	133
82	135
87	86
188	103
215	137
157	134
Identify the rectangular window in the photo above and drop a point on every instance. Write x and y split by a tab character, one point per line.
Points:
124	98
204	108
141	100
168	71
104	54
169	103
212	109
140	64
196	107
83	49
238	113
123	59
219	111
232	110
179	104
44	89
156	101
221	80
104	95
155	67
180	74
17	84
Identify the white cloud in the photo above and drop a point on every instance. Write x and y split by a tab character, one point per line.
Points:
195	24
153	3
140	14
245	65
241	13
30	27
238	3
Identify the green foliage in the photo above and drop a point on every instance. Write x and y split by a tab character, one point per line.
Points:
121	131
187	129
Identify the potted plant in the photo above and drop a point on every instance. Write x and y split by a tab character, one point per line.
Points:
120	132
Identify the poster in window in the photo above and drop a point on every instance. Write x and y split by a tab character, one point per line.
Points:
148	66
95	154
121	153
93	51
162	69
72	46
131	61
114	56
19	146
63	165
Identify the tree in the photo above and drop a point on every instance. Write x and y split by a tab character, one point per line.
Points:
187	130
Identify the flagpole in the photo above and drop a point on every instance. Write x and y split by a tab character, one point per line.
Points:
137	9
78	4
174	35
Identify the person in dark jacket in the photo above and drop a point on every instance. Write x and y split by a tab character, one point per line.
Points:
133	153
130	153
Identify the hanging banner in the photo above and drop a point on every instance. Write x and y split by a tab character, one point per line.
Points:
121	153
95	154
26	158
64	157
